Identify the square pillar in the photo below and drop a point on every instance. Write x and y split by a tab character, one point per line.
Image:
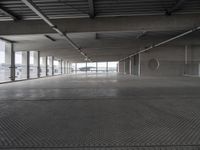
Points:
106	66
28	64
75	67
38	64
86	66
12	67
52	65
46	66
61	66
96	67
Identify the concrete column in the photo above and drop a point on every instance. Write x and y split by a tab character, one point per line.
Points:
38	64
186	54
130	66
64	67
70	67
139	65
61	66
106	66
75	67
124	66
86	66
67	68
52	65
12	67
199	69
46	65
28	64
96	67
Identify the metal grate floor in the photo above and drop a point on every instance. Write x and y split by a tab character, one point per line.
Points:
132	123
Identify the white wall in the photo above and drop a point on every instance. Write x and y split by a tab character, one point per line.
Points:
171	61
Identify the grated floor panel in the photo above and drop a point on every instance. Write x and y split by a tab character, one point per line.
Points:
129	120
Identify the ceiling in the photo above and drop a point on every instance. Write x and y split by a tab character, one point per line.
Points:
81	8
101	45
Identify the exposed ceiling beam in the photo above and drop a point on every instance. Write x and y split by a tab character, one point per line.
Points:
50	38
6	40
91	8
176	7
162	43
102	24
35	9
8	13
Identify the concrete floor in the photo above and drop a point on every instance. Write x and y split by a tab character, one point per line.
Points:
101	112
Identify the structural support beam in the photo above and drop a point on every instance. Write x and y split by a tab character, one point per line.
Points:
102	24
91	8
6	40
176	7
35	9
9	14
163	42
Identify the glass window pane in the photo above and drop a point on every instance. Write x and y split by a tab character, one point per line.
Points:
42	66
49	65
101	66
112	66
33	64
5	61
21	65
91	67
63	67
57	66
81	67
73	67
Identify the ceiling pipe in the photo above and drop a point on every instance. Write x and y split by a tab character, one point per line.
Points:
163	42
35	9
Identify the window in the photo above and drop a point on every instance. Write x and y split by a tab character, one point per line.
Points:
101	66
91	67
49	65
5	61
21	65
42	66
73	67
81	67
33	64
63	67
57	66
112	66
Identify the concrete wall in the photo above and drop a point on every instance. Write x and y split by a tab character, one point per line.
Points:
192	66
171	61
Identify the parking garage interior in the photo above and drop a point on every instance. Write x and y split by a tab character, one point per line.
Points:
100	74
